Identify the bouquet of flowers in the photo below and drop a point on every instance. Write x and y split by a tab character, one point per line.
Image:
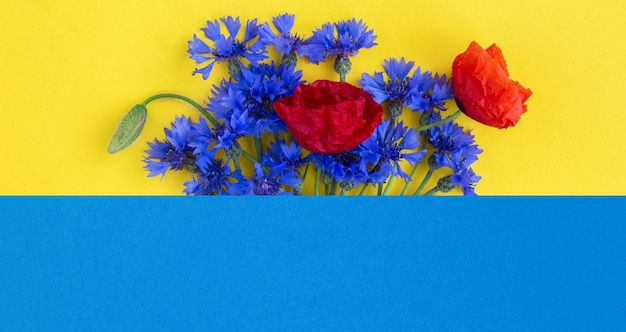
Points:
265	131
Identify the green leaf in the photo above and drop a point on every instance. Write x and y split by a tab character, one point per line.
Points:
129	129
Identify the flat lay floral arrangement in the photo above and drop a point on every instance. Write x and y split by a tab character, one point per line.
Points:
265	131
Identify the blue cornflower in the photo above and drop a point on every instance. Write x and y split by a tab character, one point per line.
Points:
207	141
242	124
344	167
226	98
384	150
343	39
203	138
466	179
175	152
233	107
272	181
396	89
450	138
269	82
251	93
282	155
428	92
214	177
456	150
288	44
463	175
225	48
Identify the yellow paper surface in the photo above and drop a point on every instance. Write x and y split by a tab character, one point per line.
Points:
71	69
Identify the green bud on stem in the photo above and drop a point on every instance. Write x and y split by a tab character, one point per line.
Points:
290	59
445	184
234	68
432	163
342	67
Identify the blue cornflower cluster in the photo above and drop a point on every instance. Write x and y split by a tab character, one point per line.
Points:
240	124
455	149
421	92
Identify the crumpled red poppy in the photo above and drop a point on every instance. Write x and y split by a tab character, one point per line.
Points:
329	117
483	89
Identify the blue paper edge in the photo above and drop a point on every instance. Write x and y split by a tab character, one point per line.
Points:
312	263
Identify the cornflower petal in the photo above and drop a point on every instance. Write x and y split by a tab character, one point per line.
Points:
251	31
397	70
284	23
283	45
212	30
314	53
203	137
232	25
198	46
205	71
156	154
375	86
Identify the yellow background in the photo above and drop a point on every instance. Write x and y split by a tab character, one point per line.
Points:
69	70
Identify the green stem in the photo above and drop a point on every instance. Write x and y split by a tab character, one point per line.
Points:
306	169
302	178
440	122
249	157
380	189
424	181
406	184
363	190
342	77
185	99
333	187
388	185
318	175
431	192
258	146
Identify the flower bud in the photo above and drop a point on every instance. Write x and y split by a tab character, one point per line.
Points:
346	186
433	165
425	118
129	129
342	65
326	178
445	184
290	59
234	151
395	109
234	68
192	167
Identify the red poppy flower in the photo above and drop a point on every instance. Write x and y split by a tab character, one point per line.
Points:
329	117
483	89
